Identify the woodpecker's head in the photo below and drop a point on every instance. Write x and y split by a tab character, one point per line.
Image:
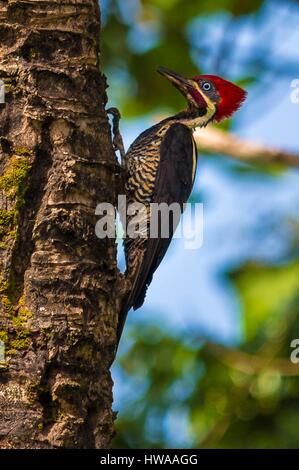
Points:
212	97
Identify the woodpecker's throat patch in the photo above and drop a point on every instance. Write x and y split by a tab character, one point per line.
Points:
204	111
198	98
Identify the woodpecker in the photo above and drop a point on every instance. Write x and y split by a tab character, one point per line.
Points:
160	166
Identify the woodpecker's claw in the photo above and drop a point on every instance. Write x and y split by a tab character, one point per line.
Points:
118	143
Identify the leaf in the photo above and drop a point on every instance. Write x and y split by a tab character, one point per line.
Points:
264	292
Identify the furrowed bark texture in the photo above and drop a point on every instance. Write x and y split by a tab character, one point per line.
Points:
58	281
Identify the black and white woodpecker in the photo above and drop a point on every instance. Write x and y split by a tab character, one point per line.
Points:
160	167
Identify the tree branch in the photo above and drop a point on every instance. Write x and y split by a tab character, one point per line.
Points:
213	140
250	363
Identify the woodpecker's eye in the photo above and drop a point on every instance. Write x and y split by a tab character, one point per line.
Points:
206	86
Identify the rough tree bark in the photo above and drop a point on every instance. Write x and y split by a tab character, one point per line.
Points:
58	281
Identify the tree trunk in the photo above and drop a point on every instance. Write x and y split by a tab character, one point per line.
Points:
58	281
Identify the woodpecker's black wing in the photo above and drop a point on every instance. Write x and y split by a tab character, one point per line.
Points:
173	183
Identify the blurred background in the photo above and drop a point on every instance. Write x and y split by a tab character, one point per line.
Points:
206	361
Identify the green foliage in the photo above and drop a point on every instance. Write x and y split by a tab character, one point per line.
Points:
223	397
265	291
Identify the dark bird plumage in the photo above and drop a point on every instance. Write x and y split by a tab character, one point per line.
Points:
160	168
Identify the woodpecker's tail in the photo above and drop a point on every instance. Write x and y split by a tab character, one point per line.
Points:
121	322
128	303
146	260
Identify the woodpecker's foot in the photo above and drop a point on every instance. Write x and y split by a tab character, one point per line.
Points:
118	143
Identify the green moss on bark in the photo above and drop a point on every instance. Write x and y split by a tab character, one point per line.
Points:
4	337
12	182
17	335
13	185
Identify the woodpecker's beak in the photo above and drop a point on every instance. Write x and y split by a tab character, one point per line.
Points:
181	83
